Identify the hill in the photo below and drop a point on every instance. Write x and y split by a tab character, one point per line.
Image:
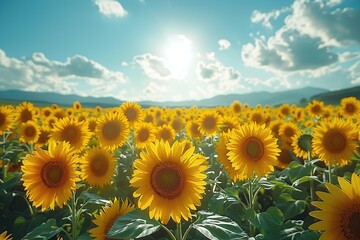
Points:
334	97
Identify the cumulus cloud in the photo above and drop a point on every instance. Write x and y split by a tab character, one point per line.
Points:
288	50
264	18
154	67
317	20
354	71
154	91
224	44
111	8
41	74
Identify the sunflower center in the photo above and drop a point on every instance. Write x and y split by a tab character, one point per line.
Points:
30	131
289	132
350	108
53	174
167	180
111	130
209	123
130	114
334	141
195	130
2	119
70	134
316	109
254	148
99	165
26	115
166	134
237	108
350	222
143	135
256	118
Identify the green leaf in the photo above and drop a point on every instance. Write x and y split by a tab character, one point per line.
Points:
214	226
284	185
220	201
93	198
305	179
265	184
289	206
134	224
10	182
308	235
44	231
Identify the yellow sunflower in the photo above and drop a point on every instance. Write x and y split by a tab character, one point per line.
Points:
253	149
70	130
224	159
144	134
50	176
166	133
46	112
169	180
315	108
284	110
107	216
236	107
98	166
284	158
44	136
76	106
132	111
286	131
350	106
209	123
335	141
301	144
192	129
177	124
29	132
339	212
6	119
229	123
25	112
5	236
112	130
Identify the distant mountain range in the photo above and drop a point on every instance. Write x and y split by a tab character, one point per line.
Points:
262	98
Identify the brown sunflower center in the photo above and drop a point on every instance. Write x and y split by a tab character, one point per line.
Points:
26	115
99	165
47	112
237	108
350	108
111	130
257	117
167	179
143	135
195	130
53	174
2	119
289	132
334	141
209	123
131	114
71	134
350	222
166	134
43	137
29	131
316	109
254	148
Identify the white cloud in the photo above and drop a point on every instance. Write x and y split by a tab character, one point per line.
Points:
41	74
154	92
264	18
153	66
111	8
224	44
288	50
354	71
317	20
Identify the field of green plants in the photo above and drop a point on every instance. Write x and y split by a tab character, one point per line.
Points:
231	172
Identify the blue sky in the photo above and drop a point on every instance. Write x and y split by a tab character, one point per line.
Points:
178	50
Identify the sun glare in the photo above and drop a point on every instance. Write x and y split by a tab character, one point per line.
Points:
178	53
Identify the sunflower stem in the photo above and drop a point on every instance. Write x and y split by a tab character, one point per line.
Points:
74	217
329	169
312	192
171	235
178	231
251	206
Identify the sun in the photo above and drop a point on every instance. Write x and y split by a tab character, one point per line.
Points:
179	55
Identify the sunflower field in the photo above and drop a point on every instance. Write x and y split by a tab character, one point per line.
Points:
231	172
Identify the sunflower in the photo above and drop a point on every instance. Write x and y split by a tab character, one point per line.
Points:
76	106
350	106
144	134
339	212
301	144
29	132
224	159
284	158
70	130
229	123
5	236
177	124
112	130
252	149
284	110
192	129
25	112
59	113
274	126
6	119
50	176
169	180
132	111
236	107
166	133
98	166
92	123
335	141
44	136
107	216
46	112
315	108
286	131
258	116
209	123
